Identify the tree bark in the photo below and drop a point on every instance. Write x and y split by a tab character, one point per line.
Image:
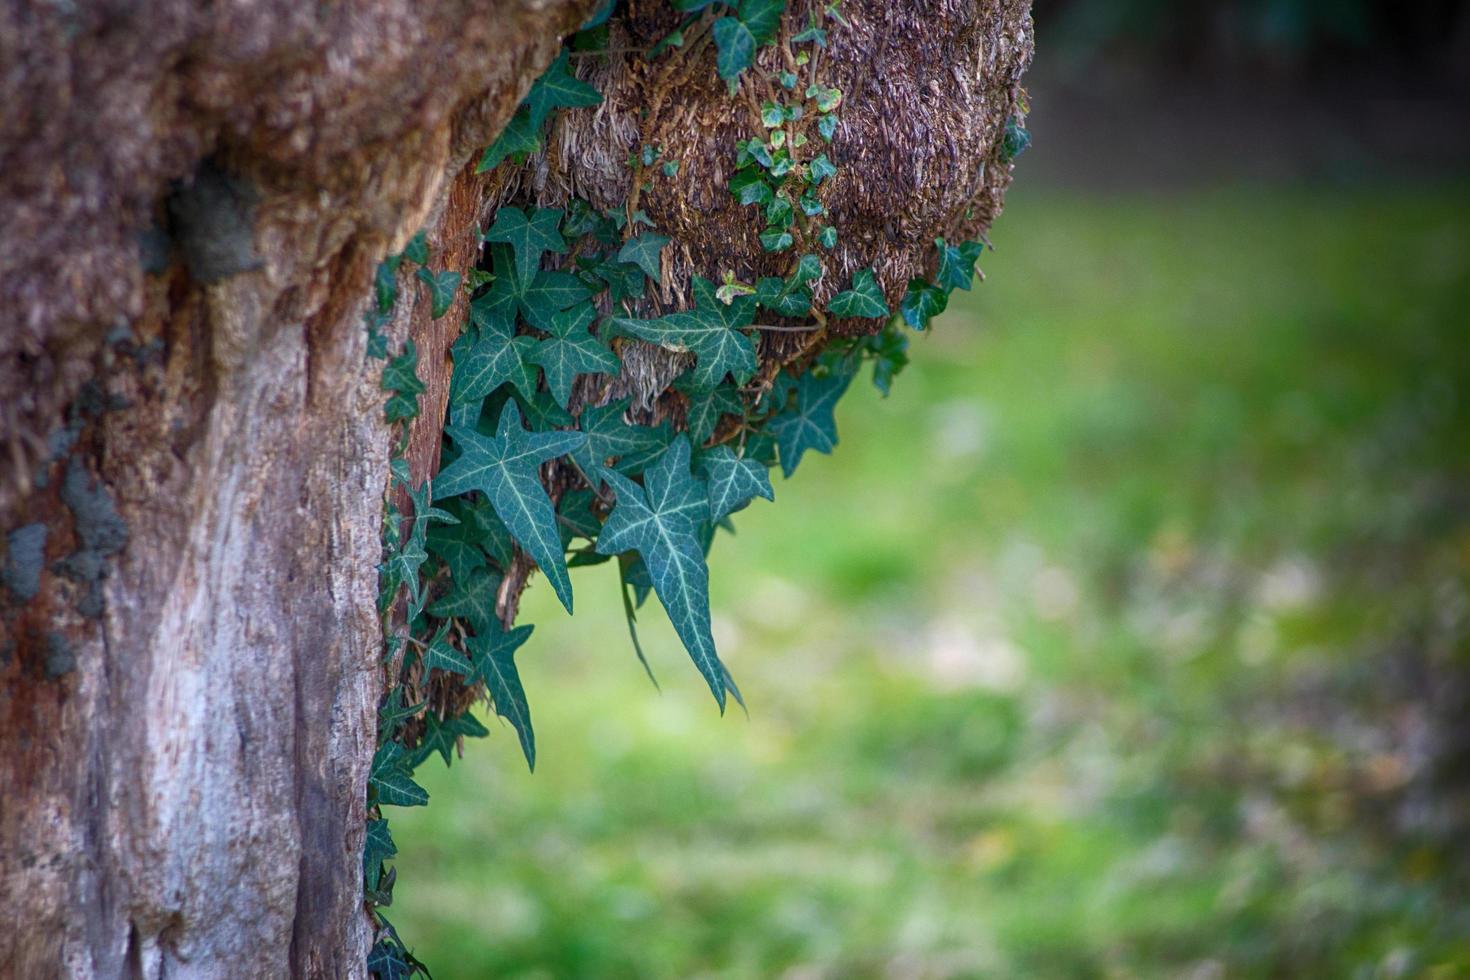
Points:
195	199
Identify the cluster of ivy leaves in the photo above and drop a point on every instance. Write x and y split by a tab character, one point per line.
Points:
549	311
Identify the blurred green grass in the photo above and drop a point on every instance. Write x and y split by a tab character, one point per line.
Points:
1127	638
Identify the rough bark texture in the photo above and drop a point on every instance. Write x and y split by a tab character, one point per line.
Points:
194	198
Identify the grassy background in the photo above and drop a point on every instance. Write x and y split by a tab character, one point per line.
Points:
1127	638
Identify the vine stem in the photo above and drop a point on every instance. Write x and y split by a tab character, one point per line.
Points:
774	328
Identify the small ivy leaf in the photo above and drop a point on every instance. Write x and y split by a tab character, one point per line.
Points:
581	219
458	548
643	252
386	962
921	303
711	331
808	422
417	249
442	286
827	127
493	653
529	234
827	237
471	599
787	80
785	298
776	240
771	115
505	469
404	566
778	140
749	187
519	139
733	481
623	281
489	357
736	49
389	781
443	736
476	279
890	356
1016	140
377	847
820	169
707	408
377	342
492	534
957	264
609	436
827	99
401	378
762	18
671	168
660	521
778	212
385	283
811	205
864	299
571	350
808	268
673	39
558	89
440	654
392	713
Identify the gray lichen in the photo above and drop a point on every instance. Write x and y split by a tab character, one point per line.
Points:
61	659
100	534
25	556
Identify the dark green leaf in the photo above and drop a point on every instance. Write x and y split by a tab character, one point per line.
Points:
471	599
821	168
736	48
957	264
643	252
827	238
385	283
557	89
529	234
890	355
776	239
921	302
417	249
400	377
864	299
571	350
443	736
377	847
808	422
660	521
440	654
610	437
750	187
707	408
711	331
389	781
442	286
505	469
518	138
493	653
486	358
733	481
762	18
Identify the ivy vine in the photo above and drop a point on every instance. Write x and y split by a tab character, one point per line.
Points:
650	494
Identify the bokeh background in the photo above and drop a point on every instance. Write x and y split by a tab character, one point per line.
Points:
1130	637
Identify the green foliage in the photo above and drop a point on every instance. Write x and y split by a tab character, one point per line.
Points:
711	331
401	378
733	481
643	251
572	349
492	651
864	299
808	423
530	234
442	286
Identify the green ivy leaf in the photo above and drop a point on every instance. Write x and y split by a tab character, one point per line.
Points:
443	736
808	422
558	89
749	187
400	377
493	653
736	49
733	481
458	548
571	350
529	234
385	283
771	115
827	127
442	286
392	713
489	356
643	252
377	847
610	437
711	331
504	468
776	239
922	302
890	356
417	249
820	169
518	139
389	780
827	237
660	521
784	297
708	407
440	654
957	264
864	299
778	212
762	18
471	599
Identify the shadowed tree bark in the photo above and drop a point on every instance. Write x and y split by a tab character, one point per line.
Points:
195	198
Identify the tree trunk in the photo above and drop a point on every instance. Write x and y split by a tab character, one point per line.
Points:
195	198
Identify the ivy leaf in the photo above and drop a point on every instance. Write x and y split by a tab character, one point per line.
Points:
519	139
458	548
827	237
808	423
776	239
442	286
827	127
543	413
440	654
610	437
575	515
400	377
386	961
660	520
572	350
808	267
377	847
558	89
471	599
957	264
711	331
733	481
762	18
417	249
490	356
736	47
922	302
392	712
821	168
404	566
749	187
389	780
493	653
529	234
785	298
582	219
443	736
643	252
707	408
385	283
864	299
504	468
623	281
890	356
